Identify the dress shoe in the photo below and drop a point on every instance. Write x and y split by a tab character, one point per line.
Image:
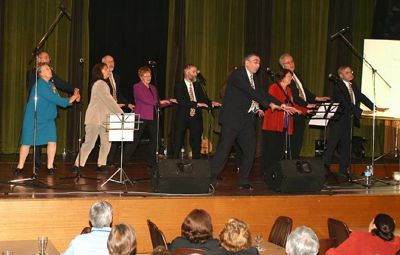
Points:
246	187
51	171
18	171
75	169
101	169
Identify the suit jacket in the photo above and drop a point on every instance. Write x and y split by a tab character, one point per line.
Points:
58	82
310	97
341	95
120	97
184	104
238	96
101	104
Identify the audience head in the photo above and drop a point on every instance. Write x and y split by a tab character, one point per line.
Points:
197	226
100	71
252	62
286	61
160	250
122	240
284	76
383	226
235	236
190	72
109	61
302	241
101	214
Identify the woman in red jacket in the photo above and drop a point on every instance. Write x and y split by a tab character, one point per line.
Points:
379	240
278	125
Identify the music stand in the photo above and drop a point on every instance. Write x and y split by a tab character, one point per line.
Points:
322	115
121	128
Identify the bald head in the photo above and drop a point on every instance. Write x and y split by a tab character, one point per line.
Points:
109	61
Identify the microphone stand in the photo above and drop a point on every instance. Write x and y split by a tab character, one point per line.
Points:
210	114
34	179
78	174
369	172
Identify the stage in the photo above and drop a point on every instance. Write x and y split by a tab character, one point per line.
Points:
59	208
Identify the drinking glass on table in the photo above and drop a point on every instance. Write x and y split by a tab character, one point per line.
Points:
258	239
42	244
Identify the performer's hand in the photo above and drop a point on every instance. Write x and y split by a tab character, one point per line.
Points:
76	93
260	113
310	106
289	109
216	104
164	102
276	107
173	100
202	105
380	109
367	112
322	99
121	105
131	106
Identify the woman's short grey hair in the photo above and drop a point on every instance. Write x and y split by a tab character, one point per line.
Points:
302	241
101	214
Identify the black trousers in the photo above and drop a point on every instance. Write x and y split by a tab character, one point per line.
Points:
130	147
246	139
339	134
296	139
195	126
273	151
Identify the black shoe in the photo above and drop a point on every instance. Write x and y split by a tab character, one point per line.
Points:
51	171
18	171
246	187
101	169
75	169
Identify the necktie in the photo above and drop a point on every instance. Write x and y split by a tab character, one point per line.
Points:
254	105
301	94
191	95
114	88
351	92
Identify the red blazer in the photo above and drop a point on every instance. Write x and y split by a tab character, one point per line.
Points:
367	244
274	120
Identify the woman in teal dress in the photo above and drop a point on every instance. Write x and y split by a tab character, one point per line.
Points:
46	112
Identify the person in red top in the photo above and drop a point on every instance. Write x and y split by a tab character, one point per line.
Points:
277	124
379	240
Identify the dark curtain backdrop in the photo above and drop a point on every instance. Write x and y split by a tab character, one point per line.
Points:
133	32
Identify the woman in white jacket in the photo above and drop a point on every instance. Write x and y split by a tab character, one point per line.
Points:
101	104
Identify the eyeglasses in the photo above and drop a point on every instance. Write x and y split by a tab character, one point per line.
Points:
146	76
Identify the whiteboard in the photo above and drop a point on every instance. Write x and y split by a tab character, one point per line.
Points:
384	56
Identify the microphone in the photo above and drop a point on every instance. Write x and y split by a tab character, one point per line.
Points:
82	60
64	11
269	71
333	78
152	62
341	31
200	76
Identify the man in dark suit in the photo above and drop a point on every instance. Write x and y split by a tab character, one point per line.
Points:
340	126
301	96
43	57
191	99
237	116
114	83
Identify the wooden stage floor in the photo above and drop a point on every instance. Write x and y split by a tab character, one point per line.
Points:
59	209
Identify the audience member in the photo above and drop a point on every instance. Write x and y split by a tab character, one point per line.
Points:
380	239
196	232
122	240
302	241
95	242
235	239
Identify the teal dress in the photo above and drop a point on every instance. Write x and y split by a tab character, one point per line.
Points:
47	102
